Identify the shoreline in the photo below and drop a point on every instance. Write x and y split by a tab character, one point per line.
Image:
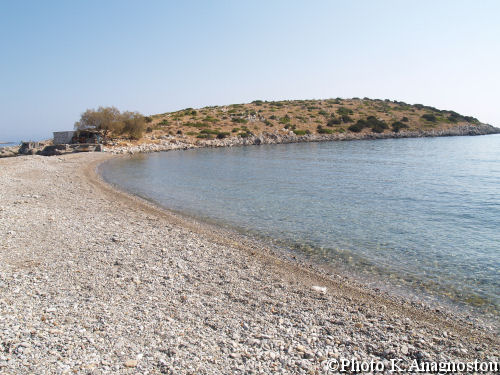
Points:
168	143
212	284
427	297
294	262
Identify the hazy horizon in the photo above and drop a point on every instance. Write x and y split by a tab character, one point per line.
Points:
61	58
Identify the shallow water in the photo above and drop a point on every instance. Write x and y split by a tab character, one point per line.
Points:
424	213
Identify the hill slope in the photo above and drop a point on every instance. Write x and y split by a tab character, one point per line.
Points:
303	117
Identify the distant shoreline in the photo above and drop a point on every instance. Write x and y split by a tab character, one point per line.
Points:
168	143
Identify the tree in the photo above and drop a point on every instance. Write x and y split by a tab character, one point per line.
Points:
109	120
105	119
133	124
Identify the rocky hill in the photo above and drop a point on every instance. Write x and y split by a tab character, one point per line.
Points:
312	120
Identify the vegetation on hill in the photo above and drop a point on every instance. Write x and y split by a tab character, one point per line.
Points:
301	117
304	117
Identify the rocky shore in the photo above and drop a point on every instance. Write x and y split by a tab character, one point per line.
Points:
167	143
8	151
94	281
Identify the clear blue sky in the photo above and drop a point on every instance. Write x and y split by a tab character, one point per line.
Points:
60	57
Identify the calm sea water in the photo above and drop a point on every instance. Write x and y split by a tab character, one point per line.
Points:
419	213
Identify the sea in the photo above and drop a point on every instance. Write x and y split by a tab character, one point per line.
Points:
417	216
8	144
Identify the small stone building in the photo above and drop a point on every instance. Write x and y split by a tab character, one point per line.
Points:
62	138
77	137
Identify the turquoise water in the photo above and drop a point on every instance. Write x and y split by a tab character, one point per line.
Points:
420	213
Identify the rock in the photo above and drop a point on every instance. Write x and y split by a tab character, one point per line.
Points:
308	355
300	348
131	363
319	289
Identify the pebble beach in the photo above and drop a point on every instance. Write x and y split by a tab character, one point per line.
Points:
95	281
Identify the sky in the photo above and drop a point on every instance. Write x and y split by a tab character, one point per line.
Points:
58	58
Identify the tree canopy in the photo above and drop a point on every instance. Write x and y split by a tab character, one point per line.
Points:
110	121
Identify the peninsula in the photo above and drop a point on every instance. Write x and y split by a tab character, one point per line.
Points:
258	122
290	121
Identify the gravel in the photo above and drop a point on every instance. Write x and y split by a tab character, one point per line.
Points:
93	281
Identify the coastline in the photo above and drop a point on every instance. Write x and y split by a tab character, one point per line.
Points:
155	290
168	143
404	286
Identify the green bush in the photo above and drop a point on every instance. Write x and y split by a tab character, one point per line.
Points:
397	126
322	130
405	119
344	111
333	121
377	126
471	119
235	130
239	120
209	131
454	117
429	117
300	132
197	124
210	119
222	135
346	119
285	119
357	127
